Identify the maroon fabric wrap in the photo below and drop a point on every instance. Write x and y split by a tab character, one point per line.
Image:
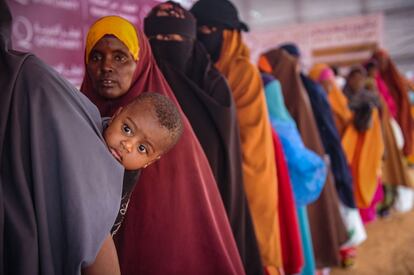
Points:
176	222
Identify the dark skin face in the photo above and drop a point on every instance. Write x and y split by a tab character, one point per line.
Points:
356	82
111	67
327	85
168	37
206	29
135	138
372	72
383	62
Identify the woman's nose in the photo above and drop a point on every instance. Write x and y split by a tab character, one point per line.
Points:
107	65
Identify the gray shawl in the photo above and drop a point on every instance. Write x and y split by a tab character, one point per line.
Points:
60	188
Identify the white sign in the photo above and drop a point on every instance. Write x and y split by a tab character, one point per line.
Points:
328	35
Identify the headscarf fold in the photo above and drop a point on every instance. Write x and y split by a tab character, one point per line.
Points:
110	26
60	188
206	100
176	222
328	231
259	168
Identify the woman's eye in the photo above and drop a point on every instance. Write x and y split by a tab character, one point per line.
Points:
142	149
120	58
95	57
126	129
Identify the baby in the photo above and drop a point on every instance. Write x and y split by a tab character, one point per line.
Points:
138	135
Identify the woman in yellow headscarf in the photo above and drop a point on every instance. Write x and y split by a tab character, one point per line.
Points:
220	32
176	222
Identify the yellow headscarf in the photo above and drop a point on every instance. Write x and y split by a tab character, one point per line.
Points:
259	170
113	25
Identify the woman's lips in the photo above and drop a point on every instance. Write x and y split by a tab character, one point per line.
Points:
108	83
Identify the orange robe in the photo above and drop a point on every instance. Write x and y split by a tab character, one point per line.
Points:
364	151
259	168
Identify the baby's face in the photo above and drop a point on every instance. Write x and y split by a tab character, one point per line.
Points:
135	138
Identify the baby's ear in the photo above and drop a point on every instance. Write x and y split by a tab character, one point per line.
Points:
115	114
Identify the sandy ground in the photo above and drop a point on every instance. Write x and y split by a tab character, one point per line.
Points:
389	249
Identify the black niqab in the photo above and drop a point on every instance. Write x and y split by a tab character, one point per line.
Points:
212	42
221	14
218	13
182	51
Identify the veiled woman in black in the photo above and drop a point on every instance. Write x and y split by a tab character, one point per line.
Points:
206	100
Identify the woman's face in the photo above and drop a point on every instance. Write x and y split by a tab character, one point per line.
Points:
372	72
111	67
327	85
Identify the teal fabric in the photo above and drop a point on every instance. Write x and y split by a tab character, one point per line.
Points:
309	267
276	102
411	97
307	170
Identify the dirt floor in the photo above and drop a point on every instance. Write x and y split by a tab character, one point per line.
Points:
389	249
